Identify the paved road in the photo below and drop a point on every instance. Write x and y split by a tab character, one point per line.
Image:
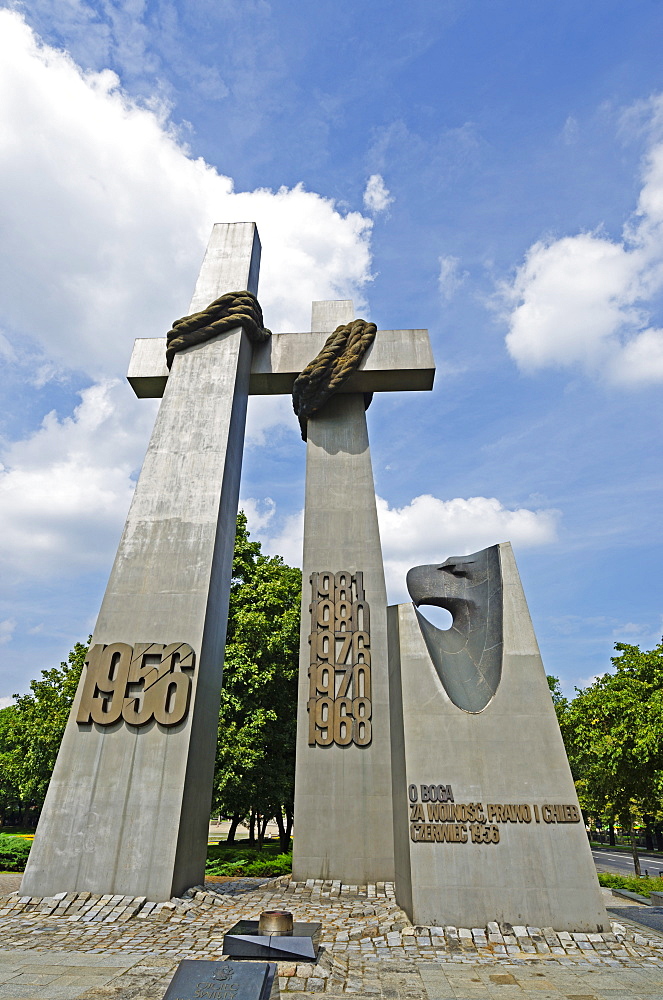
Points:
621	862
647	916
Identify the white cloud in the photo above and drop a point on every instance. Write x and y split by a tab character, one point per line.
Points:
7	628
105	220
288	541
376	196
6	701
588	300
451	278
105	216
631	630
570	130
265	414
259	513
428	530
573	294
640	360
132	37
65	490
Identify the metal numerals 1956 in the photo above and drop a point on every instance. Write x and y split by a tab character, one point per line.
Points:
137	683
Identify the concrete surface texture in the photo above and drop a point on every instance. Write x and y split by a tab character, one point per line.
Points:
343	793
508	754
397	359
127	809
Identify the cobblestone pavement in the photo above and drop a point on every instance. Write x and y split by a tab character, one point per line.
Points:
84	947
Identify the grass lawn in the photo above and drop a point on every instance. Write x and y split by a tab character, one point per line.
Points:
14	850
243	859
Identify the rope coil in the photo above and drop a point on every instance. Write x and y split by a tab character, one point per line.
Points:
226	313
340	357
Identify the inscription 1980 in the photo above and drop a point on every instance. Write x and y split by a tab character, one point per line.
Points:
339	703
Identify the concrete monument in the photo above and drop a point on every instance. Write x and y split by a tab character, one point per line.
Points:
486	818
428	756
343	730
127	810
128	806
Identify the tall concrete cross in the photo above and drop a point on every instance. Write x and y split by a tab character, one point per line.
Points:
128	806
343	783
127	810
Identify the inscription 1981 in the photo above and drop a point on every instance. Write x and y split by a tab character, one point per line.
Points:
339	703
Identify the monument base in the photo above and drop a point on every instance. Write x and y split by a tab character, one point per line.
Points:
486	819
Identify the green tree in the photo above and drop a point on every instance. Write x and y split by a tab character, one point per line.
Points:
614	734
10	798
559	701
30	735
256	752
255	762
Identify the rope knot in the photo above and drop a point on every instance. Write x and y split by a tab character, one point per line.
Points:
227	312
340	357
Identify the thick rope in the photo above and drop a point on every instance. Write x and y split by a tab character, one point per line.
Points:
227	312
336	362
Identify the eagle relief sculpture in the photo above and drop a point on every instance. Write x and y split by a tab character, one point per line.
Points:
468	655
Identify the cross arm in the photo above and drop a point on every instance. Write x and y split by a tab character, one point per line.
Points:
396	360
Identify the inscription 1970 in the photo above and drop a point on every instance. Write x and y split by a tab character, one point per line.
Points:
339	704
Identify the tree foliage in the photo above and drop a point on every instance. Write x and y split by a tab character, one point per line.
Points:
255	763
613	731
560	702
30	734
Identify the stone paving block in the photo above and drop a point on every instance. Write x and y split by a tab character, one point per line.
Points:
194	927
33	979
295	983
26	994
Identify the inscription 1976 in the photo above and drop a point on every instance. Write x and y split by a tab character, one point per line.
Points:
339	704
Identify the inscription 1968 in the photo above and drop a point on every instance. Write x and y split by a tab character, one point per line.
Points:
339	704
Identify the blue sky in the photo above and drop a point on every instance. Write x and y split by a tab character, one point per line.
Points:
490	170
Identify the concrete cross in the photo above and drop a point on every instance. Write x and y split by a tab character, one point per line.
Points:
127	810
350	757
340	535
128	805
397	359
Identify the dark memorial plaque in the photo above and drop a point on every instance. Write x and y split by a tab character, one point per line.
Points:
244	940
199	980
